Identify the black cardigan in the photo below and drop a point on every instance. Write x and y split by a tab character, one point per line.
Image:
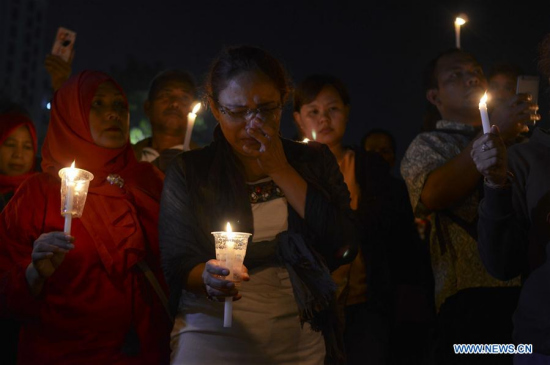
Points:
204	188
393	253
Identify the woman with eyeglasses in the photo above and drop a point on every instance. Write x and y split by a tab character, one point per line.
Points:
289	195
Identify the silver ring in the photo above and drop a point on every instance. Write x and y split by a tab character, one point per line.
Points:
484	147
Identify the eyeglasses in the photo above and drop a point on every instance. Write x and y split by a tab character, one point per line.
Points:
266	113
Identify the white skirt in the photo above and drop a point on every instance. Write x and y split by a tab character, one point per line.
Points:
266	327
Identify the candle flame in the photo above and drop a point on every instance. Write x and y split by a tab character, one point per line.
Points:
460	21
483	99
72	172
228	228
314	135
196	108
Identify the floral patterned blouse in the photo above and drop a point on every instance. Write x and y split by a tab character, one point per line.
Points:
454	255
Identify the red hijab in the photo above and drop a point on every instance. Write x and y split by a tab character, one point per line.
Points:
122	221
9	123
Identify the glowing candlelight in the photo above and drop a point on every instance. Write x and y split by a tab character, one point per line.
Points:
484	115
230	251
229	231
306	140
190	123
229	263
459	21
314	135
71	174
74	189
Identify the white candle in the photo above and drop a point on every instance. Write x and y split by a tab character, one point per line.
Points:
229	258
190	123
69	198
230	251
74	187
459	21
484	115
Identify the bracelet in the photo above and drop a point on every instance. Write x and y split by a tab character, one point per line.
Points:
508	182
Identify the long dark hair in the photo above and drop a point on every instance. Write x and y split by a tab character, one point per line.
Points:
233	61
227	197
312	85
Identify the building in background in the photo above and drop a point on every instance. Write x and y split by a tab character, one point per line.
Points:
23	78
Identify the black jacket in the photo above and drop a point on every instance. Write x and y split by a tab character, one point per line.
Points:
393	253
204	189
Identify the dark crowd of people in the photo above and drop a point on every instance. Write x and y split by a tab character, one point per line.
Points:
346	264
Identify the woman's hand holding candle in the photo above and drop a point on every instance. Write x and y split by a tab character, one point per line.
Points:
216	285
48	253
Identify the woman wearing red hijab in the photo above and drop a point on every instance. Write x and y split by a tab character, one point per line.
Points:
17	162
84	299
17	153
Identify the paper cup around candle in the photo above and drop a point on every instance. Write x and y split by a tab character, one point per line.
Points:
230	251
74	190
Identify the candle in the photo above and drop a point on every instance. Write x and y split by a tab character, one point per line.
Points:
484	115
70	176
230	251
229	263
459	21
190	123
74	189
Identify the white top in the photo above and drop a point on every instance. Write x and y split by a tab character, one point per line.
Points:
270	218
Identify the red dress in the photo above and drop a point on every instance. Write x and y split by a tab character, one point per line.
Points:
97	307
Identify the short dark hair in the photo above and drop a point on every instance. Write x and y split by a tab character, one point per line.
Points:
235	60
508	69
312	85
379	131
171	75
432	115
430	75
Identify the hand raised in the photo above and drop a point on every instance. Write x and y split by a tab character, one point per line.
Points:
58	69
490	157
511	117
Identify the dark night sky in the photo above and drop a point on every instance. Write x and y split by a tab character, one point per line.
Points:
378	49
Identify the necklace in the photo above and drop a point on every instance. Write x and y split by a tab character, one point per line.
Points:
264	191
